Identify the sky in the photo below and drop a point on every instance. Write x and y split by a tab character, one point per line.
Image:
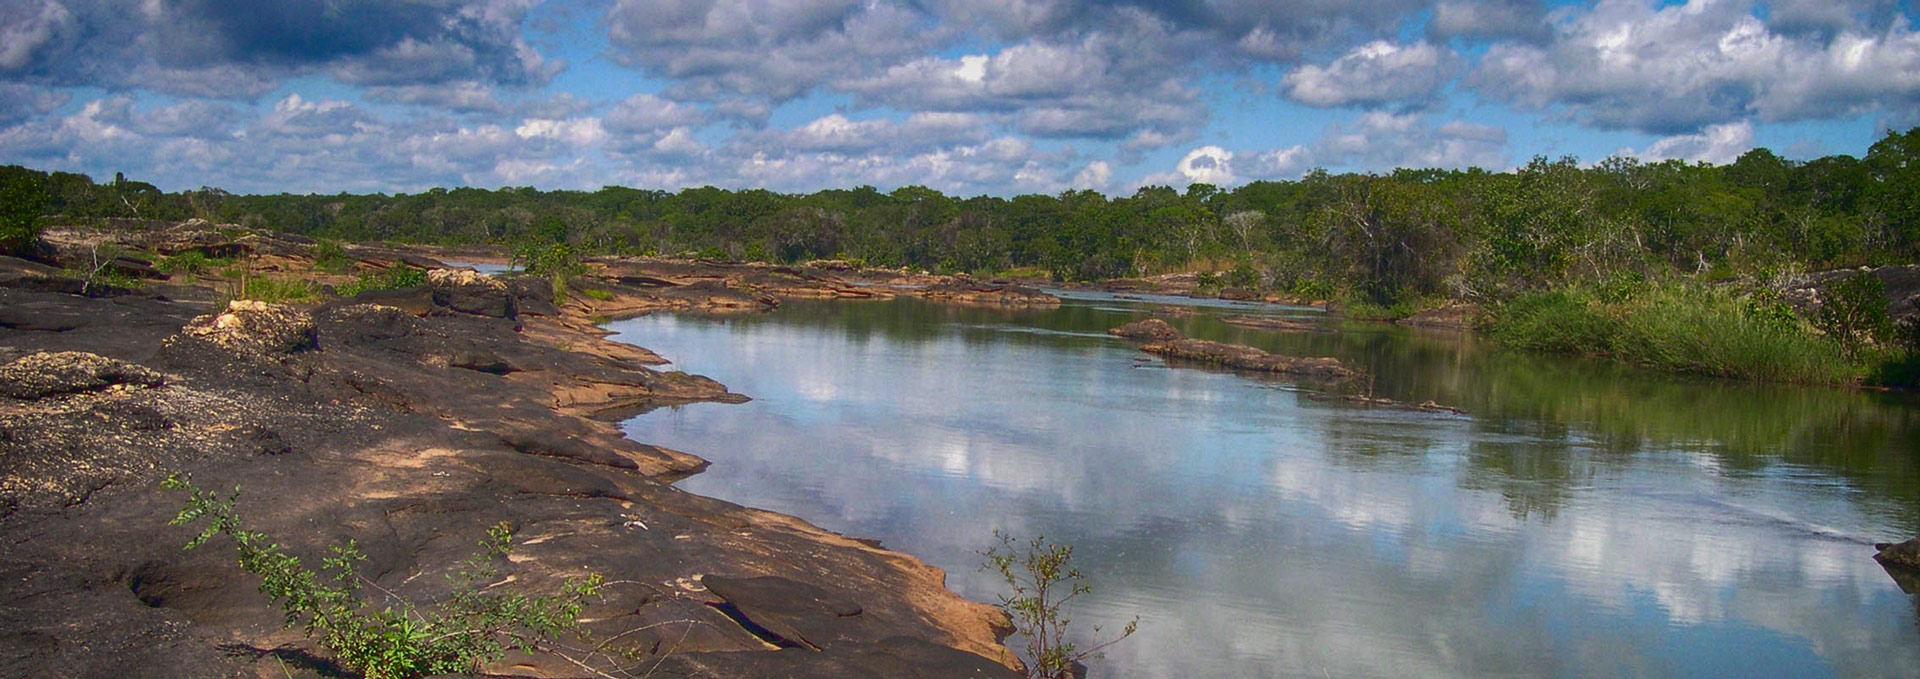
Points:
970	97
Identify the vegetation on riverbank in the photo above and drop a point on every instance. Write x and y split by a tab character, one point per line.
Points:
1676	327
382	635
1526	244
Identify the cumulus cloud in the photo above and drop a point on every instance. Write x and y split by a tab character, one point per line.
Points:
1676	69
762	49
1095	176
1102	86
1719	144
225	48
1524	20
1376	74
1207	165
20	102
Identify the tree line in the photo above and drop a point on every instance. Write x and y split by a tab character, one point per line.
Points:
1377	238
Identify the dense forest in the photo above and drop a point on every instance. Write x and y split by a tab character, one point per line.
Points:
1395	241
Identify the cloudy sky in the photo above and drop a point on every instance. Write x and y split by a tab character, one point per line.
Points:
966	96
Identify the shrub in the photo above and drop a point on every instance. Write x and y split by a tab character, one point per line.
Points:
331	257
557	261
190	262
1854	312
1243	276
23	195
475	625
395	277
1042	581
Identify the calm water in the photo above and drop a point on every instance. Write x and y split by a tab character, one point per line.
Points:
1581	520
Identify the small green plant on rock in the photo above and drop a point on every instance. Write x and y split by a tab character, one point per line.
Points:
475	625
1041	580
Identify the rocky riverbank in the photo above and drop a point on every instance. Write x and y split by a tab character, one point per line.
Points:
409	420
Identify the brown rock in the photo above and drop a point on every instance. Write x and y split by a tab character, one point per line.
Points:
69	372
1272	323
1901	554
1243	357
1149	329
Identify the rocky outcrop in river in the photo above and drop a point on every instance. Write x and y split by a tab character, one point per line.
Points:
1242	357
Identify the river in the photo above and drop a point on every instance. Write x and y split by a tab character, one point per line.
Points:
1582	519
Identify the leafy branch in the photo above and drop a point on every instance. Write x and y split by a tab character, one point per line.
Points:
476	625
1041	580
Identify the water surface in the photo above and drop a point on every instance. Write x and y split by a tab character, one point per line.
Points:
1582	520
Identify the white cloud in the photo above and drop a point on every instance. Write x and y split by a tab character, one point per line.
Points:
29	26
1207	165
1719	144
574	131
1096	176
1679	68
1376	74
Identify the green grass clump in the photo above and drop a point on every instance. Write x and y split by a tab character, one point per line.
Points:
396	277
266	289
1677	328
331	257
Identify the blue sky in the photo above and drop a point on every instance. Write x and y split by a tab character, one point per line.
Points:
966	96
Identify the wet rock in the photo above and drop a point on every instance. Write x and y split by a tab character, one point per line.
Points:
1901	554
1274	323
70	372
964	290
1149	329
1243	357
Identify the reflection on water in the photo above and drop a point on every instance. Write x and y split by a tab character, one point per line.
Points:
1582	520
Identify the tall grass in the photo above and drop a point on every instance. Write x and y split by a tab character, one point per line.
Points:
1678	328
266	289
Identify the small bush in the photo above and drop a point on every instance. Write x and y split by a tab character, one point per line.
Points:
331	257
395	277
1854	312
191	262
473	626
1042	581
23	195
1243	276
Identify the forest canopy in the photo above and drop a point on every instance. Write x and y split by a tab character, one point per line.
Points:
1381	238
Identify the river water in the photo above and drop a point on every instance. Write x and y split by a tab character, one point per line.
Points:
1580	520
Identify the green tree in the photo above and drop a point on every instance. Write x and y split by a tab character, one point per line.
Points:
23	197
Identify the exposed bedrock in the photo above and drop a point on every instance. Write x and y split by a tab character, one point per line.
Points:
411	428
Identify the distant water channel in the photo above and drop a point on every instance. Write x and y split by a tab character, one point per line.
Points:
1582	520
